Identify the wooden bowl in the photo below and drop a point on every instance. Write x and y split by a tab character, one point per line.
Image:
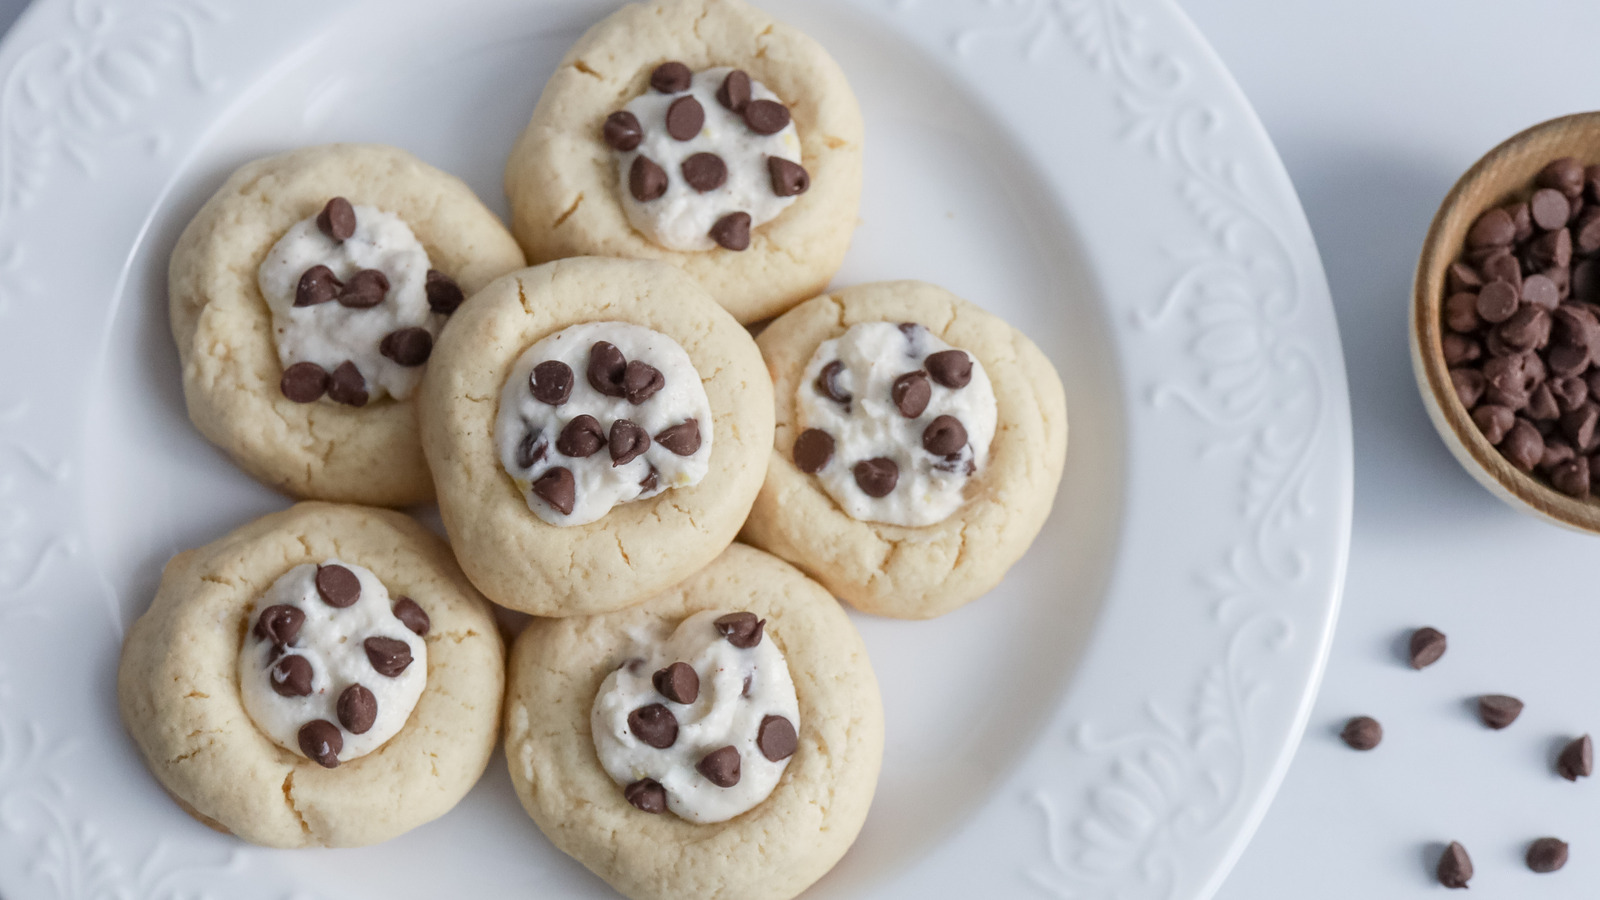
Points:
1504	175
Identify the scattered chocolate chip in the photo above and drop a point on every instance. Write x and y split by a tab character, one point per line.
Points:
628	441
280	624
531	449
682	439
1564	174
789	179
581	438
365	289
321	741
358	709
339	587
876	477
1427	645
732	231
291	676
413	616
742	629
641	381
646	180
407	346
951	368
678	682
734	93
671	77
685	118
720	767
387	655
812	450
557	488
1549	208
1492	229
337	219
303	382
827	383
1497	301
444	295
622	131
1455	867
1547	854
1498	710
607	367
944	435
776	738
911	393
551	382
347	386
1362	733
1576	759
647	795
317	285
655	725
766	116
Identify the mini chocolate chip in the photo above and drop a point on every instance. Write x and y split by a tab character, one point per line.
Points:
1497	301
876	477
641	381
742	629
303	382
646	180
720	767
407	346
685	118
557	488
365	289
317	285
551	382
1494	421
812	450
339	587
649	483
1564	174
347	386
911	393
647	795
1362	733
413	616
1576	759
1455	867
531	449
732	231
951	368
280	624
1547	854
1541	292
1549	208
321	741
704	171
622	131
789	179
337	219
766	116
444	295
682	439
1492	229
655	725
678	682
387	655
827	383
1523	445
606	369
776	738
628	441
734	93
358	709
581	438
1498	710
1427	645
671	77
291	676
944	435
748	681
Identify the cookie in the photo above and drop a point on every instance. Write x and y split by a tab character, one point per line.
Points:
323	676
919	445
760	790
702	133
305	297
597	429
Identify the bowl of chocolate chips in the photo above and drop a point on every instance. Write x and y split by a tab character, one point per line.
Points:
1505	321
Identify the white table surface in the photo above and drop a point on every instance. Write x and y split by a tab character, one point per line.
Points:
1376	107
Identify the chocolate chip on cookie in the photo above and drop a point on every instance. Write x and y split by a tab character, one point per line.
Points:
321	741
557	488
678	682
828	383
951	368
337	219
358	709
766	116
641	381
776	738
347	386
685	118
671	77
622	131
734	92
291	676
317	285
732	231
413	616
742	629
628	441
444	295
877	477
365	289
682	439
339	587
812	450
303	382
551	382
646	180
531	449
647	795
704	171
655	725
407	346
387	655
581	438
789	179
650	481
280	624
911	393
720	766
944	435
607	368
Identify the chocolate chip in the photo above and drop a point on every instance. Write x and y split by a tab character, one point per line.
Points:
876	477
1459	349
365	289
734	94
766	116
1549	208
748	681
581	438
1461	312
606	369
678	682
1527	329
1492	229
685	118
641	381
358	709
1362	733
742	629
1497	301
1455	867
628	441
1427	645
1498	710
1564	174
557	488
1547	854
412	615
649	483
1494	421
911	393
387	655
337	219
1576	759
444	295
704	171
317	285
1579	425
646	180
789	179
407	346
303	382
1522	221
1469	385
647	795
531	449
347	386
551	382
291	676
622	131
1542	404
951	368
321	741
1571	393
812	450
655	725
776	738
1523	446
827	383
671	77
732	231
1571	477
339	587
1557	452
720	767
1586	231
1541	291
279	624
682	439
1502	266
1553	248
944	435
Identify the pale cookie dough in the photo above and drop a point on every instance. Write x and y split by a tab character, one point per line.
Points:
232	372
638	548
773	851
897	570
180	696
562	178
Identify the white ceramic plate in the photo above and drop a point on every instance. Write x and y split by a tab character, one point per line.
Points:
1110	722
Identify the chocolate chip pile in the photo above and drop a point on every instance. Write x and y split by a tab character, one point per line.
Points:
1522	320
305	382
